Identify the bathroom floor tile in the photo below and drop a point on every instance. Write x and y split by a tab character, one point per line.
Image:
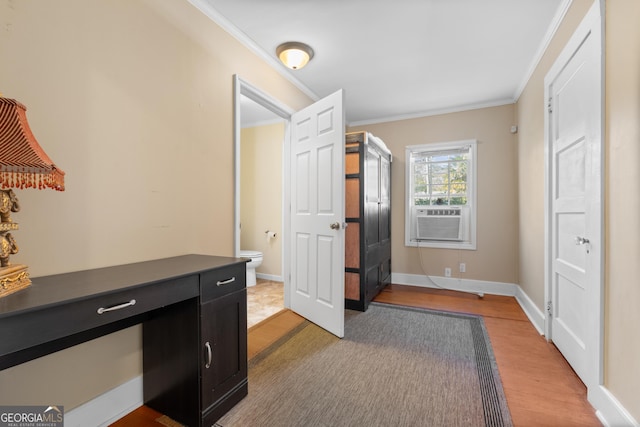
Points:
264	299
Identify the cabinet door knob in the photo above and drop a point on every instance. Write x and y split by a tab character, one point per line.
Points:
207	346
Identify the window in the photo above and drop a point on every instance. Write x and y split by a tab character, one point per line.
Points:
441	195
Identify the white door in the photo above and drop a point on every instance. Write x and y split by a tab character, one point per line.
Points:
574	170
317	213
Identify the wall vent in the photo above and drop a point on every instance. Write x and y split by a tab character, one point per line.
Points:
439	223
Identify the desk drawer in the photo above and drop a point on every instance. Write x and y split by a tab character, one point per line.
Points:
222	281
34	328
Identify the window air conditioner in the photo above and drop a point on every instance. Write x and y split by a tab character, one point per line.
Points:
439	223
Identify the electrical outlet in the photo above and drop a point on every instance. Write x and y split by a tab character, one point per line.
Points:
463	267
447	272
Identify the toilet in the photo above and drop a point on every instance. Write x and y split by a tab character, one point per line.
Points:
256	261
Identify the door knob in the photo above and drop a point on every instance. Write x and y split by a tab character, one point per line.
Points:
334	225
581	240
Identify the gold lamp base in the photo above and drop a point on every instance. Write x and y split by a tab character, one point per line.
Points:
13	278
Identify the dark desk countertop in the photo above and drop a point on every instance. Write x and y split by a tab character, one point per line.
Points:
69	287
60	310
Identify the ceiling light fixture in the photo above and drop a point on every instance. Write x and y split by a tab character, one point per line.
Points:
294	55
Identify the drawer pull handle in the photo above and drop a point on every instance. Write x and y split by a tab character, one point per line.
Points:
209	355
102	310
225	282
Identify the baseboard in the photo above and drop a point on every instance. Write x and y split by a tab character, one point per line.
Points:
108	407
535	315
272	277
608	409
455	284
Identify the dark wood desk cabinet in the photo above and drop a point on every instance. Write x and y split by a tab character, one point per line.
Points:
194	315
199	375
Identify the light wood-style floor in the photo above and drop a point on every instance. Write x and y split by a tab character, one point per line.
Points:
541	388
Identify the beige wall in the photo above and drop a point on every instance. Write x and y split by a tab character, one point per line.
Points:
261	189
622	300
622	189
530	113
133	99
496	257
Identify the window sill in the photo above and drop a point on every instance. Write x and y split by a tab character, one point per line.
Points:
470	246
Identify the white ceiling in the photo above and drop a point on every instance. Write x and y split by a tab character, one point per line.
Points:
400	58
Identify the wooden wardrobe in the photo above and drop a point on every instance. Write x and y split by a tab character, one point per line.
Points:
368	218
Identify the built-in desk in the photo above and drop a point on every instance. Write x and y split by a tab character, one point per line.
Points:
193	311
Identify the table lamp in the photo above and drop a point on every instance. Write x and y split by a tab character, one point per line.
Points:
23	164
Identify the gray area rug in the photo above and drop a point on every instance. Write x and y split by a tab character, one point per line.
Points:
396	366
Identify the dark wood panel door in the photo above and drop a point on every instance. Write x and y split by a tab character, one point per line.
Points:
372	197
223	346
385	199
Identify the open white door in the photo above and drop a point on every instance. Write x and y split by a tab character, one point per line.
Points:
317	213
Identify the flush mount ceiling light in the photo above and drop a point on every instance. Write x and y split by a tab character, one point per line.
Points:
294	55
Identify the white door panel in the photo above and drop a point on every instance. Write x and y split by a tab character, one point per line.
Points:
574	256
571	162
326	247
303	182
301	248
317	202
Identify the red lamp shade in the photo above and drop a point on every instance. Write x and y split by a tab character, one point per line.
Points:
23	163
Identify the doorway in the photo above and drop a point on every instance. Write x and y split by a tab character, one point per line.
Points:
313	196
261	127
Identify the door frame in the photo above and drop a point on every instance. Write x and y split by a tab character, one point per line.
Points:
591	26
243	87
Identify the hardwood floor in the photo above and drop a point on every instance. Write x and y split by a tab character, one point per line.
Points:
541	388
269	331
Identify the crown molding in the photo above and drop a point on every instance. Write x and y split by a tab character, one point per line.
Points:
561	12
435	112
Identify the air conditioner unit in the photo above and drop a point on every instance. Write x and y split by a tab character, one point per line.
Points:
439	223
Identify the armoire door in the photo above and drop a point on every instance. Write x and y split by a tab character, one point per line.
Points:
372	221
384	220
